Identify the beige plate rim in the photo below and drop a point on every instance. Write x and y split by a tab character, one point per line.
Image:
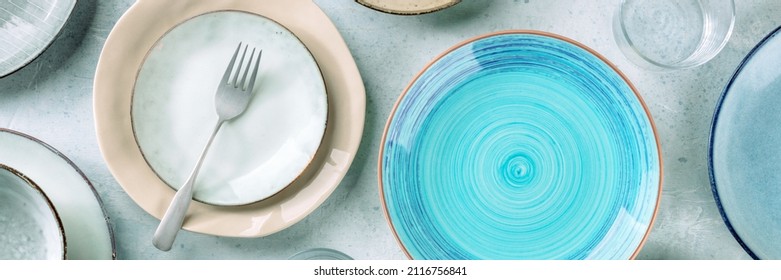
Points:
124	52
407	7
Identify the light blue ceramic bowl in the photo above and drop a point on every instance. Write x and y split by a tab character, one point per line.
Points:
520	145
744	156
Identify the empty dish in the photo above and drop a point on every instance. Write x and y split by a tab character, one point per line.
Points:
29	225
520	145
135	36
744	158
88	233
254	156
408	7
27	28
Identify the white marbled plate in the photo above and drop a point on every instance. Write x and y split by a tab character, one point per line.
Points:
253	156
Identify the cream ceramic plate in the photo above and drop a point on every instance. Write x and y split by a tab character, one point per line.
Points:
87	231
27	28
258	153
138	31
408	7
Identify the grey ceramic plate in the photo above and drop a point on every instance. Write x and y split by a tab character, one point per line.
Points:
27	28
30	228
87	230
745	156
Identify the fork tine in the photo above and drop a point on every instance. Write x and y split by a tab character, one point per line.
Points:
254	72
246	71
238	68
229	69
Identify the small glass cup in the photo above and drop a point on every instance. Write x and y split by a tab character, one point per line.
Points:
320	254
673	34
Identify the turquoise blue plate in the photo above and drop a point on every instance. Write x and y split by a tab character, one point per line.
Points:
744	155
520	145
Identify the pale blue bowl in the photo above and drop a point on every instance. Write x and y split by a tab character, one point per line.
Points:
744	153
520	145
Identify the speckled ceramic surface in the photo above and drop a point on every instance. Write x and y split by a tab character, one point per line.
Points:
30	228
87	231
408	7
520	145
139	30
27	28
253	156
744	151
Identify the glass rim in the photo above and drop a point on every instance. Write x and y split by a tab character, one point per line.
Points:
694	58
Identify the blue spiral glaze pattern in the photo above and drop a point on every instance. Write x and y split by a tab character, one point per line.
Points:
520	145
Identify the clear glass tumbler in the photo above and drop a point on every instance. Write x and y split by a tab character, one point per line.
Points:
320	254
673	34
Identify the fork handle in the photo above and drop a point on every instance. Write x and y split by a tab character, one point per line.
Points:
174	217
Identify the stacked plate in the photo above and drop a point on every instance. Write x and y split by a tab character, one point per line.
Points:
74	204
31	227
266	170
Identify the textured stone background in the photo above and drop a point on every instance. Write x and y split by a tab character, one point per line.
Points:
51	99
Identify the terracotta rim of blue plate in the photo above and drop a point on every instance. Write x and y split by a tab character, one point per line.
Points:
508	32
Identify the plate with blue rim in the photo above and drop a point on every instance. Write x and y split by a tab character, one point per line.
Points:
520	144
743	157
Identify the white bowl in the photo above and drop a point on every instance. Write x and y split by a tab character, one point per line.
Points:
30	227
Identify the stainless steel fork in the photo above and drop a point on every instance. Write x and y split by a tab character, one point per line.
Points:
230	101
